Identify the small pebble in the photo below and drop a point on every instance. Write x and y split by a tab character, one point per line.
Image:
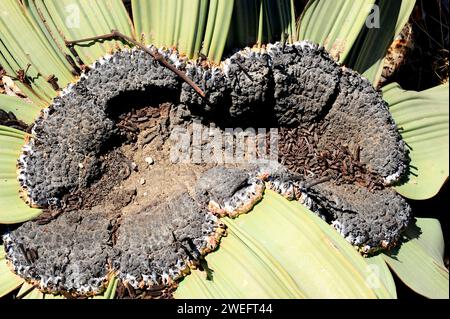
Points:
149	160
142	181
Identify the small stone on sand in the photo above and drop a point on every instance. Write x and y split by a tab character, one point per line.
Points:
149	160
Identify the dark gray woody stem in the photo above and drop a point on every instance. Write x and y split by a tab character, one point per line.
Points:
154	53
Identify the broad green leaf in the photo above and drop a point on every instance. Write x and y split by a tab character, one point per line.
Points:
423	121
24	111
77	19
11	142
334	24
8	280
12	208
383	274
370	49
10	131
418	262
2	252
282	250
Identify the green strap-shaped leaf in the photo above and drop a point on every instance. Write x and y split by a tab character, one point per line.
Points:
24	111
418	262
194	26
110	291
262	21
244	29
382	274
12	208
370	49
143	19
241	270
8	280
77	19
334	24
218	24
217	27
2	252
22	43
423	121
172	23
282	250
